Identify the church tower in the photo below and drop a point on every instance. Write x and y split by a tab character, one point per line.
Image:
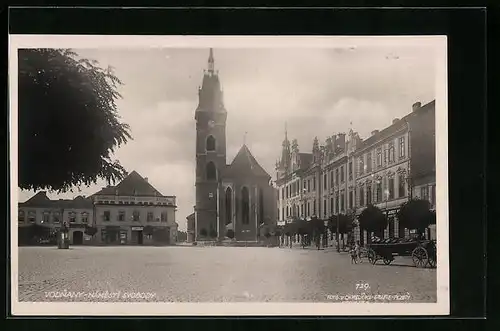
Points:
210	119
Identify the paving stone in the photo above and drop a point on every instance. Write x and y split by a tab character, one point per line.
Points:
211	274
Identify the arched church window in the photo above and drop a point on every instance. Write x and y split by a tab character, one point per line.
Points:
210	143
261	205
211	171
229	206
245	206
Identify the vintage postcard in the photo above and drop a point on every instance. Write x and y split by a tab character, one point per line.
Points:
229	175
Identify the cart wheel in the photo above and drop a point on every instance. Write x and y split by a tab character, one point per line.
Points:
432	261
420	257
372	257
388	260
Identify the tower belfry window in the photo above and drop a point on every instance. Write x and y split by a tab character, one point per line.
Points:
210	143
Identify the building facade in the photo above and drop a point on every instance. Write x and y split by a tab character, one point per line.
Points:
134	212
347	173
238	196
50	215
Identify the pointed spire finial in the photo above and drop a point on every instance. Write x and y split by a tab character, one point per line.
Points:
286	131
245	138
211	61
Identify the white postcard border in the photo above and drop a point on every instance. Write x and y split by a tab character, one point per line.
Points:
441	307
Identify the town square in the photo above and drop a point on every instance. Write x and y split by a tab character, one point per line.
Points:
213	274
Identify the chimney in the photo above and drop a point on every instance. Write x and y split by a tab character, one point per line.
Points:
374	132
146	179
416	106
394	121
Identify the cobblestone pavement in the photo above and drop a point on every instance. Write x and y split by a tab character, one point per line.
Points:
208	274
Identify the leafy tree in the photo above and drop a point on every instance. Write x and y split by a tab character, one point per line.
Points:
372	219
345	223
230	233
318	229
416	214
68	121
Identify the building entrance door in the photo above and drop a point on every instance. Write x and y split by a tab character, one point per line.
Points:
139	237
77	238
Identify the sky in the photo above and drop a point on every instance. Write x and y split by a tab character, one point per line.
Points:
316	91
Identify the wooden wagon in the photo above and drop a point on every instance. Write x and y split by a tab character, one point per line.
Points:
423	252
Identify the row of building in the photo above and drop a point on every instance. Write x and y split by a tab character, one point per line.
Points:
347	173
132	212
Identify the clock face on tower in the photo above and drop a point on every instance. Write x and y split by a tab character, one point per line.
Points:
211	123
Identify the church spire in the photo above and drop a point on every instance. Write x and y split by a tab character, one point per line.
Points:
211	61
285	153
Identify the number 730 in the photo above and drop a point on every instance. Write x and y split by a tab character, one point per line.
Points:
362	286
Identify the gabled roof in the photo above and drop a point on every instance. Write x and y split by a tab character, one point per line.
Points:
244	164
40	200
133	184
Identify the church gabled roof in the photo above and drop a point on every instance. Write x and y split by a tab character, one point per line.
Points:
133	184
244	164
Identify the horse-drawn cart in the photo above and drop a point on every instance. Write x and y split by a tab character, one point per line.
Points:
423	252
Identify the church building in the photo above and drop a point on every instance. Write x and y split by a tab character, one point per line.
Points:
231	199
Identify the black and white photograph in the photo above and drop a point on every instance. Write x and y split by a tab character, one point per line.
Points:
229	175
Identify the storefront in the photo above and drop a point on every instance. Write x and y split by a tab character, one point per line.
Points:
137	237
113	235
